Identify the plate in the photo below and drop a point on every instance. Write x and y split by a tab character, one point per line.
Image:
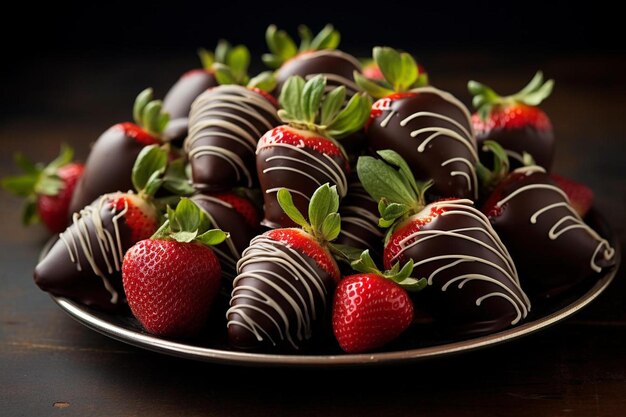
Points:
127	329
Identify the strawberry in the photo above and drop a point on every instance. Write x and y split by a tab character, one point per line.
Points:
373	308
48	189
304	153
236	215
473	287
580	196
85	263
171	280
285	278
315	55
552	246
515	121
225	124
116	150
428	127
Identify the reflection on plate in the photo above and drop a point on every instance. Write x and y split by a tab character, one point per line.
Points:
126	329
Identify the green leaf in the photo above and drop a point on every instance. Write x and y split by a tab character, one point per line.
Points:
535	98
213	237
141	102
394	211
382	181
223	74
332	104
206	58
221	51
151	159
187	216
49	185
324	201
371	87
175	179
184	236
331	227
394	158
29	213
22	185
291	96
65	157
238	59
271	61
327	38
413	285
533	85
365	263
280	44
152	116
352	117
286	203
264	81
26	165
312	96
345	253
305	37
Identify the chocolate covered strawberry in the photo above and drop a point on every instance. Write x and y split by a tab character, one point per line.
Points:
304	153
372	308
110	162
286	278
552	246
85	263
234	214
315	55
579	195
428	127
171	280
515	121
225	124
47	189
473	287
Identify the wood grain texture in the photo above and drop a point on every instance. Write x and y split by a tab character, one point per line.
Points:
50	365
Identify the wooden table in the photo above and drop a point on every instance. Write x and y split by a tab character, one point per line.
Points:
51	365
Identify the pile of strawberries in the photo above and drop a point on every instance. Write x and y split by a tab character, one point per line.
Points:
286	193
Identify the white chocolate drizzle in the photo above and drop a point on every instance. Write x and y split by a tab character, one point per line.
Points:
227	112
302	306
508	289
77	240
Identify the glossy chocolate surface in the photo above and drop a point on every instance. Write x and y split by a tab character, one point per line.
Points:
177	101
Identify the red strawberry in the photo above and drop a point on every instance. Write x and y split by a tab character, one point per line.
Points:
580	196
473	286
316	55
172	279
553	248
48	189
285	278
304	154
515	122
115	151
428	127
241	205
85	263
372	308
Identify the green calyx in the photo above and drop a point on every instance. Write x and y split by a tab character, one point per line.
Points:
220	55
398	194
324	222
149	169
149	114
282	46
306	105
400	71
37	180
188	223
401	276
484	98
489	178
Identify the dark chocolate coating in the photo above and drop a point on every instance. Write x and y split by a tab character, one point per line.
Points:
539	143
304	310
176	131
223	216
456	308
283	161
108	168
177	101
328	62
225	124
444	146
58	275
359	221
547	267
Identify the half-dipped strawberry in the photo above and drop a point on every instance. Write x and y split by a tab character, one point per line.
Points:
85	263
372	308
552	246
304	153
428	127
473	287
110	162
515	122
47	189
316	55
286	279
236	215
171	280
